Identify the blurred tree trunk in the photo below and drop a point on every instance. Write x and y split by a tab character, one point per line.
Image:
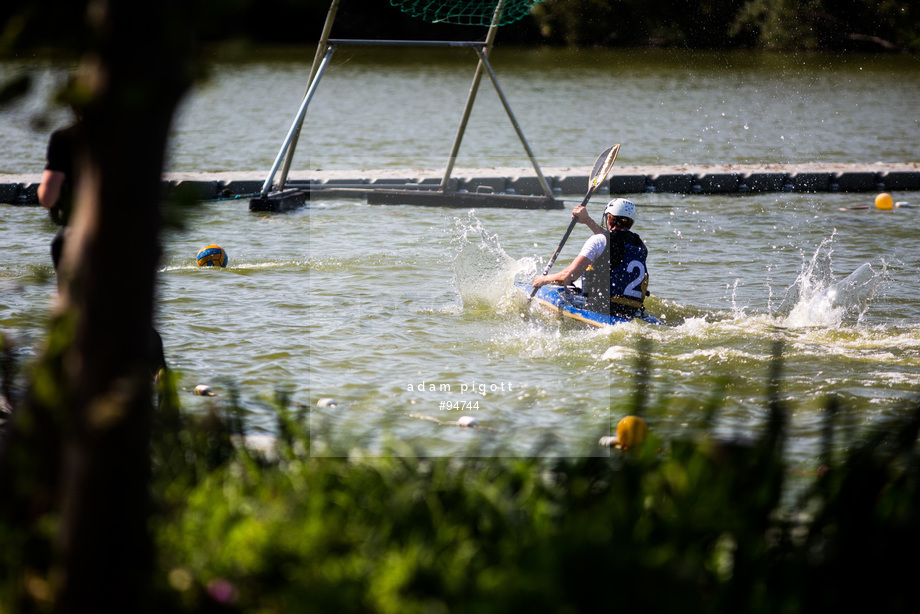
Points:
137	72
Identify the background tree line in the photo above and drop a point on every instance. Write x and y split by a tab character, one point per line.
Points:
833	25
830	25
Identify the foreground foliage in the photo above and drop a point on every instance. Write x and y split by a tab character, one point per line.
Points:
675	526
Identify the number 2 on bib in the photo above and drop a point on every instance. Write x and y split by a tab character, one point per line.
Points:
631	288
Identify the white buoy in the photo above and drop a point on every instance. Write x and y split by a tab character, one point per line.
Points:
326	403
203	390
260	442
467	421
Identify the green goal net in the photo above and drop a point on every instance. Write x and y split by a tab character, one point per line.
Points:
466	12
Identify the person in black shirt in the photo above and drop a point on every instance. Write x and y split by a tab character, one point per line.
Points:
58	184
56	193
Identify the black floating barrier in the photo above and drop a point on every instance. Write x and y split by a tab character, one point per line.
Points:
477	200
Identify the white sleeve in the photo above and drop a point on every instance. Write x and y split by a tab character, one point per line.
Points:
594	247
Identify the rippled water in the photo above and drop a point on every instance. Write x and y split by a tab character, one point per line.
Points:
396	311
401	108
402	315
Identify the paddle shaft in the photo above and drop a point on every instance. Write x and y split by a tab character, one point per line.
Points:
565	238
601	169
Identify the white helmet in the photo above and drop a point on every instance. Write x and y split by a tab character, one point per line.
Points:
620	207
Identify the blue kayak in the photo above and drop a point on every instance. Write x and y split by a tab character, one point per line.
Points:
569	304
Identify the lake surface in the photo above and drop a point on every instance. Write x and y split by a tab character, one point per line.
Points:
401	108
406	316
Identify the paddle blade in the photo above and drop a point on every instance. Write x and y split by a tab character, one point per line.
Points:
602	166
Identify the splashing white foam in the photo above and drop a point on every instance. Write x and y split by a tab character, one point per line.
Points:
817	299
483	273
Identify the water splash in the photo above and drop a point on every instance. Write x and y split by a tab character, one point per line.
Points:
483	273
818	299
736	309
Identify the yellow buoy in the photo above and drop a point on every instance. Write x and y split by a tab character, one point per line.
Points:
884	201
631	432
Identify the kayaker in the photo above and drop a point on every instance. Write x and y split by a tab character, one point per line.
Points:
612	260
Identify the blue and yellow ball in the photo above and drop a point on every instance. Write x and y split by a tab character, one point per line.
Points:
212	255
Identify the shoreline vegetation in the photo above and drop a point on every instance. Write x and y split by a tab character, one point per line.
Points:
865	26
314	523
